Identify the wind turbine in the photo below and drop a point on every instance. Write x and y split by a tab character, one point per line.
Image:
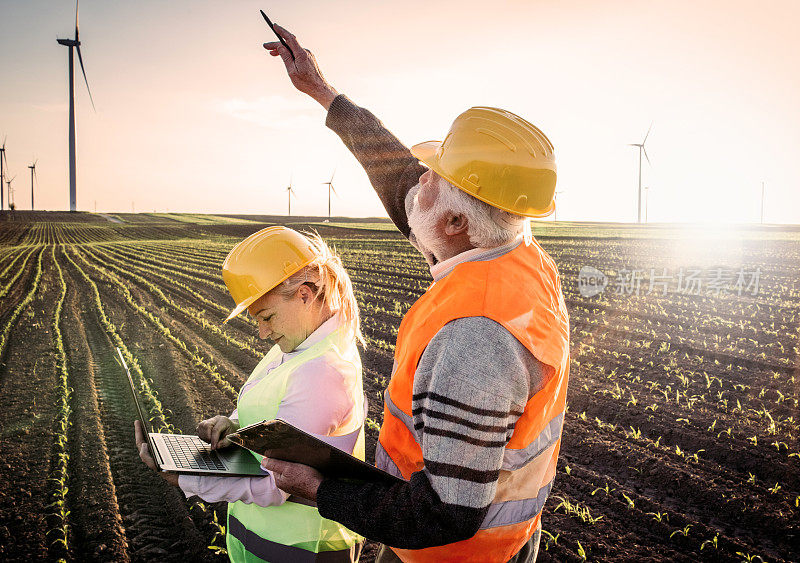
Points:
330	189
10	193
74	44
2	171
641	150
290	195
33	175
555	197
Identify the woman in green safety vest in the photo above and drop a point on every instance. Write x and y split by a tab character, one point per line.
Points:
302	298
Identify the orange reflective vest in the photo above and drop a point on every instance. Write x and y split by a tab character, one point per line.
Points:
521	291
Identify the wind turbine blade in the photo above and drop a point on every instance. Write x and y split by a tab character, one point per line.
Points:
334	174
80	59
648	133
645	155
76	20
333	190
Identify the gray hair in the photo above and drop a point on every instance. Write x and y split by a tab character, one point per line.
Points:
487	226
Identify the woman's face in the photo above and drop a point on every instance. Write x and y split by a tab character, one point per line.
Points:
285	321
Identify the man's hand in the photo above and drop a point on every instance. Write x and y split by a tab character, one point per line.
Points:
294	478
303	70
214	431
144	454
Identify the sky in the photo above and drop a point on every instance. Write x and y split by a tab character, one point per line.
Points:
193	115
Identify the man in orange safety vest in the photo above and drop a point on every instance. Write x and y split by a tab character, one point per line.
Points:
475	406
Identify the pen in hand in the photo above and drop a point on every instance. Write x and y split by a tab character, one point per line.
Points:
272	27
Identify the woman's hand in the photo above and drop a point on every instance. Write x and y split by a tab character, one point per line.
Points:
294	478
303	70
147	458
214	431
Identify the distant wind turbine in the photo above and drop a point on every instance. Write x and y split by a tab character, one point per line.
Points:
33	175
555	197
290	195
330	189
641	150
2	171
10	193
76	45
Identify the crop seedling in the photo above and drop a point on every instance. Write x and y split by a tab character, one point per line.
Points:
551	539
607	490
629	500
713	542
581	552
684	532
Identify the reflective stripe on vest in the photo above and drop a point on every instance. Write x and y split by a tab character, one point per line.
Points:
272	551
521	291
294	531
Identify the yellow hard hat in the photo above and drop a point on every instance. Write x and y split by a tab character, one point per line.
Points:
499	158
262	261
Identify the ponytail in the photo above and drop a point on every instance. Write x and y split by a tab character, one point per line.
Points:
332	283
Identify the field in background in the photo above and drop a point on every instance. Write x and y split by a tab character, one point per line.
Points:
680	440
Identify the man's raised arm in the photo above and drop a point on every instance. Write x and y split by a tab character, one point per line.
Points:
391	168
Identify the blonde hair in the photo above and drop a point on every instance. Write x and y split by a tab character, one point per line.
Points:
332	283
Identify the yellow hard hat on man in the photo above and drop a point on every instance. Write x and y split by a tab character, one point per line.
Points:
262	261
497	157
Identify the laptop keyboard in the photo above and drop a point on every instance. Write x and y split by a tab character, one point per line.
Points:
190	452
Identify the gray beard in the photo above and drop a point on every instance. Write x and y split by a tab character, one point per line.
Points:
423	228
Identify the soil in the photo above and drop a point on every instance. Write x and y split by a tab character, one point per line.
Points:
667	453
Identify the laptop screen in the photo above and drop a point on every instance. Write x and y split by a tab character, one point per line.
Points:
135	394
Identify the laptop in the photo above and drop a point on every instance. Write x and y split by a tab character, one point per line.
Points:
182	453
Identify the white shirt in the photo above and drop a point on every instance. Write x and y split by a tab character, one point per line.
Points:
317	400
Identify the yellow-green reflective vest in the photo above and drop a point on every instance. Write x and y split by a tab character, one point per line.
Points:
292	531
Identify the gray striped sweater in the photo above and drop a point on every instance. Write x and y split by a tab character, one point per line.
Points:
470	388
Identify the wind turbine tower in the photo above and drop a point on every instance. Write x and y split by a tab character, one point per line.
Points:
33	175
290	195
10	193
641	150
74	44
330	189
2	172
555	209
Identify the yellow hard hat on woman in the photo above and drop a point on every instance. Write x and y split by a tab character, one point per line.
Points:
497	157
262	261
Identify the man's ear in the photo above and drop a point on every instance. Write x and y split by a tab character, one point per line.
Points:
456	225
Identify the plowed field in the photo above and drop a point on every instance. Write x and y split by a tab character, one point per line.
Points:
680	440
